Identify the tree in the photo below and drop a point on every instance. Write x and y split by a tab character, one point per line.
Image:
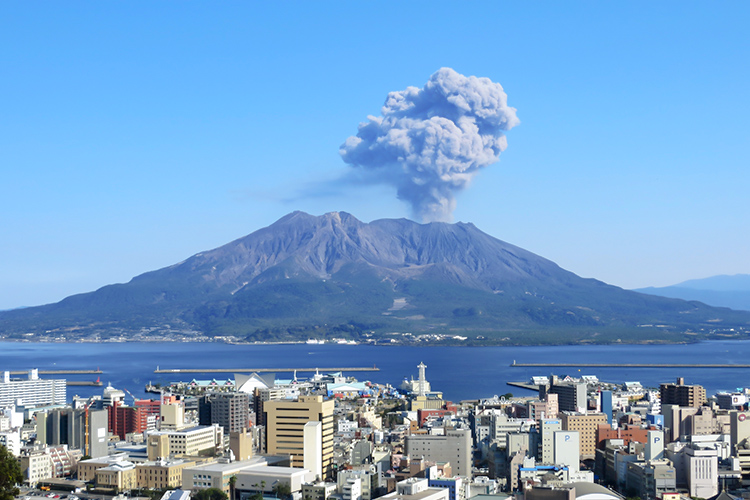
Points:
232	483
211	494
282	490
10	475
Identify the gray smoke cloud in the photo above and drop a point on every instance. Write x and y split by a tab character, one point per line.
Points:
431	142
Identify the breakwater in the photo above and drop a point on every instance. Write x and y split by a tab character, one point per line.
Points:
266	370
628	365
58	372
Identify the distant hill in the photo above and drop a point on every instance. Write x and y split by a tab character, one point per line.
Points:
391	280
721	291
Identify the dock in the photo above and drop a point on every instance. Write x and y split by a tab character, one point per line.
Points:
628	365
59	372
266	370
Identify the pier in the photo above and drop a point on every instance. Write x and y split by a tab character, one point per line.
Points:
58	372
628	365
84	383
523	385
265	370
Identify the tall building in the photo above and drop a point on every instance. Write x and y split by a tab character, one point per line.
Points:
124	420
33	391
682	395
285	426
605	403
231	410
69	426
547	429
570	396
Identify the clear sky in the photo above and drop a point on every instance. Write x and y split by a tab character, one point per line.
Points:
135	134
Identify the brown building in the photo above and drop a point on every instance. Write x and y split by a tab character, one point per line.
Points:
587	425
627	434
682	395
285	423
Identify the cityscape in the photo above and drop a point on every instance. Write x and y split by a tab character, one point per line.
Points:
331	436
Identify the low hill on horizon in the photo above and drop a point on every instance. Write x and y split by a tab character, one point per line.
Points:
722	290
392	280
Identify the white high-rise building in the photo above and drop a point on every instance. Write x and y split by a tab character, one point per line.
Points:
33	391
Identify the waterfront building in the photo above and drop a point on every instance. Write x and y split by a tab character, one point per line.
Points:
571	395
682	395
285	428
33	391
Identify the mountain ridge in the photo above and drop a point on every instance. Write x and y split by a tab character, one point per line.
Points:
327	275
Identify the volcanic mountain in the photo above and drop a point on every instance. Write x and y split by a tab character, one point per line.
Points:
389	280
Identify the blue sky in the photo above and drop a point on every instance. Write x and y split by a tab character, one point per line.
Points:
133	135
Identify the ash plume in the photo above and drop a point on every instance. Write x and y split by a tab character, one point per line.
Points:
431	142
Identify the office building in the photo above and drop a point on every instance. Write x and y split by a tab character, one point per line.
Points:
71	427
453	447
571	396
285	429
231	410
547	429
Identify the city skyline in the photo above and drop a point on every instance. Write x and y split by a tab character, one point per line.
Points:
135	137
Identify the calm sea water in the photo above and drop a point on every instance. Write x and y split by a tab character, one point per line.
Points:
459	372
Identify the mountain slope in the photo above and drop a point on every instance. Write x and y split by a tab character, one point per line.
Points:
334	275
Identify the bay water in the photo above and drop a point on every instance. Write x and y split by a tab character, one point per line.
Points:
459	372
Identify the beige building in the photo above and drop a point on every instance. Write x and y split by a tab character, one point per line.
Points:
36	466
119	475
586	424
201	440
285	423
87	468
161	474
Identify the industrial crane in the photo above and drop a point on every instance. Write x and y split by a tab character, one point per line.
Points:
86	427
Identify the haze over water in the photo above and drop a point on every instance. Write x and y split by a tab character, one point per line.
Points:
459	372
